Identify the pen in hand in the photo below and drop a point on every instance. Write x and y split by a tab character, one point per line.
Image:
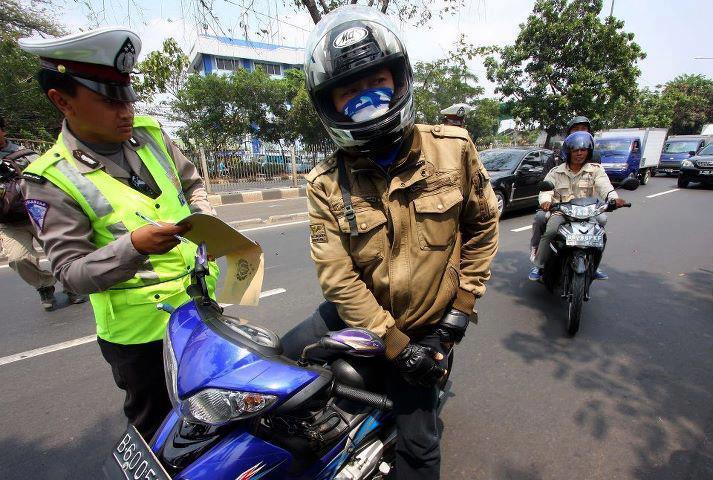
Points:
156	224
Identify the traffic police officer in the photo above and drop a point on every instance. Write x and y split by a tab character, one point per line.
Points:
455	114
403	222
84	196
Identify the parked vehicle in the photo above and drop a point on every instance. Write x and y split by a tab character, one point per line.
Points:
630	152
698	168
515	173
578	248
679	148
242	411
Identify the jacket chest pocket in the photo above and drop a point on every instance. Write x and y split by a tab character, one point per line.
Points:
369	245
436	218
586	186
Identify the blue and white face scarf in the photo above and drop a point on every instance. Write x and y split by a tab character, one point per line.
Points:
368	104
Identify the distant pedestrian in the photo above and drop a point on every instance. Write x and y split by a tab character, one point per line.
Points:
16	231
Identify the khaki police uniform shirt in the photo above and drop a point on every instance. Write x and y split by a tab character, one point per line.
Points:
590	181
67	232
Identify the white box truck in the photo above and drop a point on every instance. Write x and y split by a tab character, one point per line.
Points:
630	152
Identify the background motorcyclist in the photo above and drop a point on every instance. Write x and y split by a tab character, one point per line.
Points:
576	178
580	123
403	222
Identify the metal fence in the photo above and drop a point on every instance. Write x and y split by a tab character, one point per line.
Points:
39	146
234	170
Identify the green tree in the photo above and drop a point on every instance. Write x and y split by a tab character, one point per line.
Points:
162	72
566	61
647	108
482	123
691	99
23	104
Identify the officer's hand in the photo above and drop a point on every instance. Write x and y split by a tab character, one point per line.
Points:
546	206
150	239
417	364
620	202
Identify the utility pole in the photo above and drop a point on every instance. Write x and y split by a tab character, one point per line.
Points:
611	10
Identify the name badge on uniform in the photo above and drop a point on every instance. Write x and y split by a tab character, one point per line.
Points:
181	198
141	186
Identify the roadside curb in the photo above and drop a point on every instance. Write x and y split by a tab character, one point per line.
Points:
257	195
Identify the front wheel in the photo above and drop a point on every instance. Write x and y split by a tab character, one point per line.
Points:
577	287
501	201
682	183
645	176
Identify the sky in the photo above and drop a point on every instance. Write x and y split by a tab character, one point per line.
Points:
672	33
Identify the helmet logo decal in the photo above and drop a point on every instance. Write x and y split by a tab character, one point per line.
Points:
126	57
350	37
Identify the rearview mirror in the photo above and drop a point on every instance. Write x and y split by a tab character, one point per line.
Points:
525	168
691	153
358	342
545	186
630	183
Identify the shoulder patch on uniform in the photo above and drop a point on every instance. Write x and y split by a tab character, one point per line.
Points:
450	131
31	177
323	167
317	233
85	158
37	209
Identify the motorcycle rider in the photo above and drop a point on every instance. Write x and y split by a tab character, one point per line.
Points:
403	222
577	123
576	178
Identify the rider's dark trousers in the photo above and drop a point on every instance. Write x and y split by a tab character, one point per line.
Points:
418	455
138	370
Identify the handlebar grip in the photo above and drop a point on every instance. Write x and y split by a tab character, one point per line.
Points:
372	399
627	205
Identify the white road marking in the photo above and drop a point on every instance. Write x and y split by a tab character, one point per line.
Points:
51	348
91	338
272	226
521	229
663	193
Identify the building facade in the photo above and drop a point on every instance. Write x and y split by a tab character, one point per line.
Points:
220	55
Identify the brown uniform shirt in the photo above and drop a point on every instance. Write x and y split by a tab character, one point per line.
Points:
67	232
591	180
428	231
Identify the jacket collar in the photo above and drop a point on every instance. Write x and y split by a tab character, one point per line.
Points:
89	161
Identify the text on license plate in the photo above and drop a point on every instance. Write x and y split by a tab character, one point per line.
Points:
132	459
579	239
706	172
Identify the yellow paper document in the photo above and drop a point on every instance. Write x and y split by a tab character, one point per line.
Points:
246	260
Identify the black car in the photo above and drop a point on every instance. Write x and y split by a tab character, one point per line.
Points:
698	168
515	173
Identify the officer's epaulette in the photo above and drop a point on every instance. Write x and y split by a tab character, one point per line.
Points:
31	177
445	131
325	166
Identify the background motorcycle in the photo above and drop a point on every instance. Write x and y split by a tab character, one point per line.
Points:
578	248
242	411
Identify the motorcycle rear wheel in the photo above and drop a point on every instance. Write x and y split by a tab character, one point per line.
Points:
576	298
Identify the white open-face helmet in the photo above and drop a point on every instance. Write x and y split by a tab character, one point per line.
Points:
347	44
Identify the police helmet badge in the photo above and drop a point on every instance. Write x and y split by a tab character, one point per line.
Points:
461	112
126	57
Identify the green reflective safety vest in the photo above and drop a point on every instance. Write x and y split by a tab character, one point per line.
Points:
126	313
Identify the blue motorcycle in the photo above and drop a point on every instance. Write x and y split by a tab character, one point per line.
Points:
242	411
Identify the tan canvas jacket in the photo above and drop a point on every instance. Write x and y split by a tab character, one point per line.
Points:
590	181
427	233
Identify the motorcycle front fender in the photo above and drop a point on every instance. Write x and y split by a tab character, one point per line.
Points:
579	263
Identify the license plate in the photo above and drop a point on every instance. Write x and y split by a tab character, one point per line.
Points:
585	240
132	459
706	172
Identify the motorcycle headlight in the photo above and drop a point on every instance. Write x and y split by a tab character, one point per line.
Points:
170	368
687	163
216	406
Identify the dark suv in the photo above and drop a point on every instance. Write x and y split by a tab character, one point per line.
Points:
698	168
515	173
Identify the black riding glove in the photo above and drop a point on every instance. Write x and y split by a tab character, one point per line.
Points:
418	365
453	325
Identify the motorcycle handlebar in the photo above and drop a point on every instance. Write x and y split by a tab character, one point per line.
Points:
372	399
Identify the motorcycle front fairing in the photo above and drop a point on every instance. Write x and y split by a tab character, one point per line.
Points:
211	354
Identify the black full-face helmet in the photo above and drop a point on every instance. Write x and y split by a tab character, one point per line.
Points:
347	44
